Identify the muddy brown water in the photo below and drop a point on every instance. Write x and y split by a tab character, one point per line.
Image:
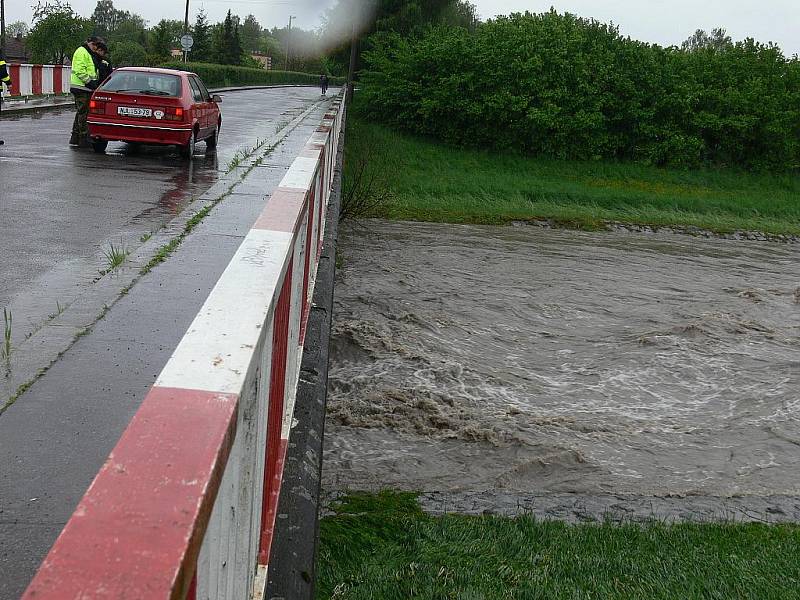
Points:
502	363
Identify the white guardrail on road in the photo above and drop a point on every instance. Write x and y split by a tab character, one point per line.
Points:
39	80
185	504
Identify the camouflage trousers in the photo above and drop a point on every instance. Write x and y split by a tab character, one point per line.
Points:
80	129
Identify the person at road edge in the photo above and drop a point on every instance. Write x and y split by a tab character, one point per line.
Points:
323	83
84	80
5	78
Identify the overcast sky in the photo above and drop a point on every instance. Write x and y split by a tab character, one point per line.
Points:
663	22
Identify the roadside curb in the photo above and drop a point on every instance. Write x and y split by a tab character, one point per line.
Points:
29	108
36	354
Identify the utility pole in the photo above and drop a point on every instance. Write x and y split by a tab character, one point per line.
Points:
288	42
2	29
186	28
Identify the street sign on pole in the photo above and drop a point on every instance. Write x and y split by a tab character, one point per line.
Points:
187	41
186	31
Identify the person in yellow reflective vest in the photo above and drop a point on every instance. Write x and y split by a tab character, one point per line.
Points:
83	81
5	79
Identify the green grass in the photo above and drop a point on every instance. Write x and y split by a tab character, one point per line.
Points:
433	182
114	256
383	546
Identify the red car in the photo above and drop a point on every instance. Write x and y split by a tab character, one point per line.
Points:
154	106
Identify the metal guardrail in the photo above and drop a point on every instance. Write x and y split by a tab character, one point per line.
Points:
185	505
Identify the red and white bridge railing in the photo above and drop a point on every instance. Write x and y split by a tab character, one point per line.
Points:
185	504
39	80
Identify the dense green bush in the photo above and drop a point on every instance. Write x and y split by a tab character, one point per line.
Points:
557	85
214	75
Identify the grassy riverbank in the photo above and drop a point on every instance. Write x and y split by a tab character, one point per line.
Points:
432	182
383	546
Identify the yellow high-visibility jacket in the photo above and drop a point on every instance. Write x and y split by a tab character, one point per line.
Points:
83	69
5	77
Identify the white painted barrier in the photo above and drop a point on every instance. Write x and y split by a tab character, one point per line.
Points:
39	80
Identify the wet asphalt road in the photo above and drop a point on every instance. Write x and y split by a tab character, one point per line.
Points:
62	208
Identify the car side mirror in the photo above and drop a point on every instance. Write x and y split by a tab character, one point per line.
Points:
216	98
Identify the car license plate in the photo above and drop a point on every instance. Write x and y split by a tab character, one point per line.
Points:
134	111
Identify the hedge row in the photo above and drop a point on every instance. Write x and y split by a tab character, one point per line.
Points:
214	75
556	85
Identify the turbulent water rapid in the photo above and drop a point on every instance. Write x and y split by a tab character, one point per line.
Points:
521	360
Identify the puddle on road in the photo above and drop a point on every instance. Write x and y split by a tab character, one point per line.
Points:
518	359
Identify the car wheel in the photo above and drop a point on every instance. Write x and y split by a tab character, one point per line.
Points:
187	151
100	146
211	141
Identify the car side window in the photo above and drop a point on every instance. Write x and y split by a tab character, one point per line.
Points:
196	93
204	91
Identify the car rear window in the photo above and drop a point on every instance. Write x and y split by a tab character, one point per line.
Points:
140	82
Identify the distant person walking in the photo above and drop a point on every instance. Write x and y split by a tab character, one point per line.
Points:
85	79
5	79
323	83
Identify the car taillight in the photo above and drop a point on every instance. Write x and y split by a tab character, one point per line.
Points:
98	108
174	114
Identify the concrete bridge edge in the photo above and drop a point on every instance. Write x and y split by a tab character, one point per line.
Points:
292	566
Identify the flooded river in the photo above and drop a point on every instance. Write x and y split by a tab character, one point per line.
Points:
514	361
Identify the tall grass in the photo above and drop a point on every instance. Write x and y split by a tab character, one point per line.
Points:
433	182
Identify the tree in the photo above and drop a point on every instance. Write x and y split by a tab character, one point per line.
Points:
271	46
17	29
461	14
104	17
227	45
409	18
57	32
250	34
406	17
162	40
718	40
126	33
305	49
126	53
130	28
201	50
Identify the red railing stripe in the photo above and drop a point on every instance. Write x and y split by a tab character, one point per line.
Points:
58	81
138	529
15	80
36	77
277	394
